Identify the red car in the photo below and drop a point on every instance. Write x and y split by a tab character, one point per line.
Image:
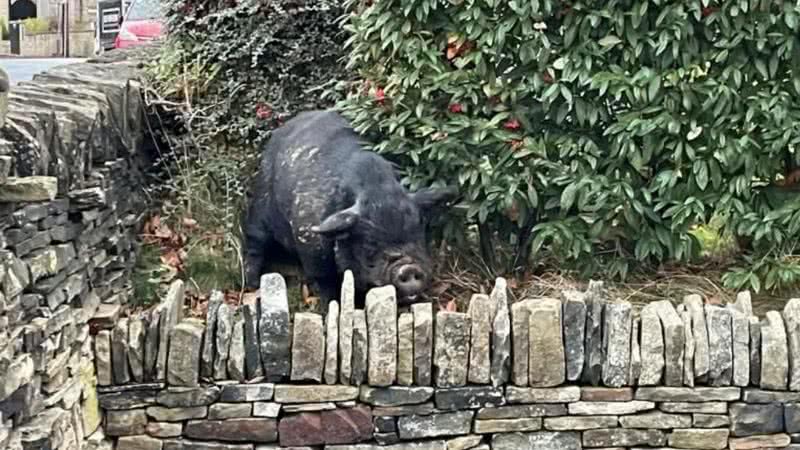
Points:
142	23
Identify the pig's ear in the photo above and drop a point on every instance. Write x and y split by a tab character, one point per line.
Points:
338	223
431	197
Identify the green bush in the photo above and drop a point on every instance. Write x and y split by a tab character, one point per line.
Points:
601	131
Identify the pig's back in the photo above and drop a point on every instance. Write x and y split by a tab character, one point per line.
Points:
315	166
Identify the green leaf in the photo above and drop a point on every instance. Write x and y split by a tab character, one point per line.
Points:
652	88
609	41
568	196
762	68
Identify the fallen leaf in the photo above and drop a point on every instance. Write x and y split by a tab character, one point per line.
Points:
188	222
451	306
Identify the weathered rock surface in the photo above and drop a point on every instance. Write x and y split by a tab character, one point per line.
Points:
774	353
694	305
656	420
451	354
274	325
520	326
609	408
395	395
481	315
697	394
136	342
222	411
348	293
636	353
381	309
565	394
755	351
740	327
652	347
720	341
233	430
331	371
501	334
360	342
252	350
546	362
119	352
435	425
791	319
183	367
308	347
543	440
405	349
468	397
224	335
616	342
760	442
688	348
247	392
209	341
619	437
236	353
423	343
285	393
162	414
516	411
574	332
582	423
674	342
171	313
699	439
750	420
175	397
593	340
102	351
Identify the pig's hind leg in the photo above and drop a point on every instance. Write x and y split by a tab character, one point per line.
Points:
259	243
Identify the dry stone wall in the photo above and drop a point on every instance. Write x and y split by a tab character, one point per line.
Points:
70	197
576	372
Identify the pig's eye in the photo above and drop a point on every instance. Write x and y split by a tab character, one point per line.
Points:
393	257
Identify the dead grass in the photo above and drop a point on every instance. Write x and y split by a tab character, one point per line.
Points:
460	275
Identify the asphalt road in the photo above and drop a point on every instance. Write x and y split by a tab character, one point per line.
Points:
23	69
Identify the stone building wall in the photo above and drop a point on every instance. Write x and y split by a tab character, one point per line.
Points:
70	197
579	372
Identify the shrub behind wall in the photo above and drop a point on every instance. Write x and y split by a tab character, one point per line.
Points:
604	128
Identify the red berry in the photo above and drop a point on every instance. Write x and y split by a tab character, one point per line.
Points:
380	96
456	108
263	112
511	124
547	78
707	11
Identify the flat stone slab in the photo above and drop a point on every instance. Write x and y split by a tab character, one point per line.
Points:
435	425
609	408
233	430
395	395
314	394
468	397
543	395
697	394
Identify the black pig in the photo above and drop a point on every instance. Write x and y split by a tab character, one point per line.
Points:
335	206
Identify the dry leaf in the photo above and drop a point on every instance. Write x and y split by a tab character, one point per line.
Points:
451	306
188	222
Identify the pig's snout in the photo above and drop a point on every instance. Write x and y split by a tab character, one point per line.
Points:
410	281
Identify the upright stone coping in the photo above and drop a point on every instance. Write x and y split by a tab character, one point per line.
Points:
425	394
